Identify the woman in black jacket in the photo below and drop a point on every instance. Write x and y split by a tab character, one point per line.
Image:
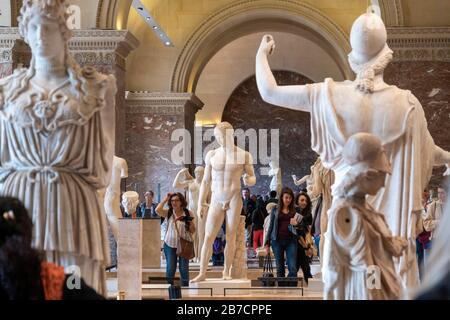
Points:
303	202
283	220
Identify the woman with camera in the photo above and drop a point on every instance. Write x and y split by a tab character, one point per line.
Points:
178	237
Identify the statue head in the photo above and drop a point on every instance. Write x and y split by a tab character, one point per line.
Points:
370	53
224	134
367	37
130	200
369	164
43	26
199	171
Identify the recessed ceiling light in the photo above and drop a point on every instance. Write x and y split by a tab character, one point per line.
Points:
155	27
167	43
140	8
148	18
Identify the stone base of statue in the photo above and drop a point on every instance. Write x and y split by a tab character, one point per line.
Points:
151	243
222	287
129	268
239	267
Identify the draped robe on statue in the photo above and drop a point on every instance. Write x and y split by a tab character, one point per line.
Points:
395	116
56	151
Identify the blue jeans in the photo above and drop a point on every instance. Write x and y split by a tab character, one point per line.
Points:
289	246
171	266
317	243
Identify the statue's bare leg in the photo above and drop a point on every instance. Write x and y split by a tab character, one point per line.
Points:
214	222
197	248
201	233
232	220
113	214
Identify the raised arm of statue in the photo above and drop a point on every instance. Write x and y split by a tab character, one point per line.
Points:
183	179
301	181
442	157
249	175
205	187
292	97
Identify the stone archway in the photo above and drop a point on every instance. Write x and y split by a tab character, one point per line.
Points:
246	110
113	14
245	17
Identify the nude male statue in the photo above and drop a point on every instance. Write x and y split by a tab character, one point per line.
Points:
223	171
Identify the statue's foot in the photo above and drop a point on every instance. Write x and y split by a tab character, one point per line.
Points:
226	275
200	277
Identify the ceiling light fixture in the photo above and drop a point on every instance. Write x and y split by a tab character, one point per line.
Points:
142	11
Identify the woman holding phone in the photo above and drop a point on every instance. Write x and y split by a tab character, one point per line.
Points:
179	224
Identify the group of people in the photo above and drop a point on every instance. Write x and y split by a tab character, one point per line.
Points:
283	223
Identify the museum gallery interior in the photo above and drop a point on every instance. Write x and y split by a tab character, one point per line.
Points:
224	149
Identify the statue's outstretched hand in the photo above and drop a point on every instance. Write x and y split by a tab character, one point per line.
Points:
267	45
447	172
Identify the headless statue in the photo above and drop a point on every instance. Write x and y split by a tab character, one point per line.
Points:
222	179
276	182
340	109
112	196
184	180
359	246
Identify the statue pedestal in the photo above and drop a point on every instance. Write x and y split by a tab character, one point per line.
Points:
151	243
129	267
218	285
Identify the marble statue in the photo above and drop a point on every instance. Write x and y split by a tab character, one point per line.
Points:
305	179
112	195
359	247
222	180
323	179
276	182
130	201
341	109
184	180
57	132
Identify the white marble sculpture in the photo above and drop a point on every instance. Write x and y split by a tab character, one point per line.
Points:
184	180
130	201
322	180
275	173
57	131
112	195
341	109
222	179
359	247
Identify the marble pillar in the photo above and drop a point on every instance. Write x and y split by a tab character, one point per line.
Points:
158	127
129	269
151	243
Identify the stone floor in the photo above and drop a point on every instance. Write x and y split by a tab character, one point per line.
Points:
158	289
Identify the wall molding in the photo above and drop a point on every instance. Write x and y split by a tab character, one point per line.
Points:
392	13
87	46
420	44
162	102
